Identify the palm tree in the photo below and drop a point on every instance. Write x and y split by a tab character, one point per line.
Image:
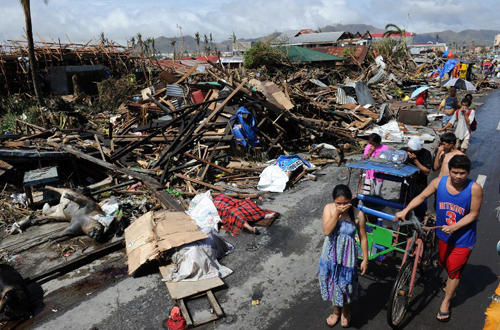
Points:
31	50
437	37
233	38
197	39
172	43
394	29
206	45
132	42
140	43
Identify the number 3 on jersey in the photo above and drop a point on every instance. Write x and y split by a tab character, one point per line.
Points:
450	218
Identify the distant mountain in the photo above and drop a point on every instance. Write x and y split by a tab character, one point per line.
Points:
465	37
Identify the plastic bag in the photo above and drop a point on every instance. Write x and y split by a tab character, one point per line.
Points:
203	211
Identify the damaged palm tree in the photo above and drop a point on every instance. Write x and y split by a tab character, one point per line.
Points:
31	50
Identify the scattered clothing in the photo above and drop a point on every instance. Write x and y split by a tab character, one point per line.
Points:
234	213
290	163
338	274
244	128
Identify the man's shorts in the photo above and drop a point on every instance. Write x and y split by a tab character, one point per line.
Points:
453	258
463	144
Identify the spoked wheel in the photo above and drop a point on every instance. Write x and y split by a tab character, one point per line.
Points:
398	300
429	249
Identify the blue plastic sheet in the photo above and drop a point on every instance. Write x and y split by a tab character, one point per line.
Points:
448	66
401	170
244	130
290	163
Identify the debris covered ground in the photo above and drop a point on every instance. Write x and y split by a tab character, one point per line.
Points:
128	158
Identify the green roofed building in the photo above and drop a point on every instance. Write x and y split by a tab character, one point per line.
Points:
304	55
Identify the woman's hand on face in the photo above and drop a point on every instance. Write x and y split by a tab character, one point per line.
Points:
364	266
342	208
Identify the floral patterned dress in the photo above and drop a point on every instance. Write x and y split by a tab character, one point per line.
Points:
338	275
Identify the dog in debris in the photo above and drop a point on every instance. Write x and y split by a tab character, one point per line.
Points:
14	295
79	210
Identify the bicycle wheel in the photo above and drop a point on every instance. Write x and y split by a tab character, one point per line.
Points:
429	250
398	300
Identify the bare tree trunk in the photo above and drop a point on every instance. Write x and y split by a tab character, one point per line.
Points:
31	53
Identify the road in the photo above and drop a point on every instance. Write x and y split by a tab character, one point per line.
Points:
279	267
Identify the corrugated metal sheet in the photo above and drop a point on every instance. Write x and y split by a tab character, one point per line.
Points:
177	103
343	98
323	37
380	76
363	93
175	90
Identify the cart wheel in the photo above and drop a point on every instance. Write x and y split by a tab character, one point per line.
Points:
398	300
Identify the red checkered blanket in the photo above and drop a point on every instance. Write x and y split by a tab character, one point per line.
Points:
235	212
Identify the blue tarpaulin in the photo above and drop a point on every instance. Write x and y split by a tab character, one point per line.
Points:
244	129
401	170
448	66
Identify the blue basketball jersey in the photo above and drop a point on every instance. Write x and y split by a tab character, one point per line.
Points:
450	210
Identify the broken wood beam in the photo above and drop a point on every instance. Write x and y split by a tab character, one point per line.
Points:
223	169
153	185
208	185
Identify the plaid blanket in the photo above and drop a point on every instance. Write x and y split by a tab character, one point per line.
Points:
234	213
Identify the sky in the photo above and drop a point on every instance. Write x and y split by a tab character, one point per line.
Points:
81	20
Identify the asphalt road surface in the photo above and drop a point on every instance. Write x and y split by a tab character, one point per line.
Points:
279	267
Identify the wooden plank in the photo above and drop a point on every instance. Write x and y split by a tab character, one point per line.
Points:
219	107
208	185
215	305
223	169
190	71
153	185
185	313
4	167
179	290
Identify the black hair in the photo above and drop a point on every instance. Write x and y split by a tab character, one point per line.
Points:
374	137
460	162
468	96
466	101
341	190
448	138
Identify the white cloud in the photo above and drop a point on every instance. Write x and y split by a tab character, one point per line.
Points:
121	19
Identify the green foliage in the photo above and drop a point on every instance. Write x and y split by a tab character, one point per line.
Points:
389	48
262	54
12	108
348	51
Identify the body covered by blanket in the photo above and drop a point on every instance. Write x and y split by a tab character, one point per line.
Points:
235	213
198	260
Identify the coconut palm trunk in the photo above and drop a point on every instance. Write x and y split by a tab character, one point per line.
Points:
31	51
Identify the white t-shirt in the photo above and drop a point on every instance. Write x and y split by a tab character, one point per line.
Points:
462	130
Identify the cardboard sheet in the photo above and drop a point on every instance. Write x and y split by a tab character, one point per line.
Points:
156	232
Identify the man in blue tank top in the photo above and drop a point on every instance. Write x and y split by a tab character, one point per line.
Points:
458	201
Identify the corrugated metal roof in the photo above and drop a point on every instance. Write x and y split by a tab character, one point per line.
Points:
343	98
287	36
175	90
360	51
323	37
301	54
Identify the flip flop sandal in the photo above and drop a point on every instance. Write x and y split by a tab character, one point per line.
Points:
348	324
440	313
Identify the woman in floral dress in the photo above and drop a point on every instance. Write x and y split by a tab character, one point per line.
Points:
338	274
